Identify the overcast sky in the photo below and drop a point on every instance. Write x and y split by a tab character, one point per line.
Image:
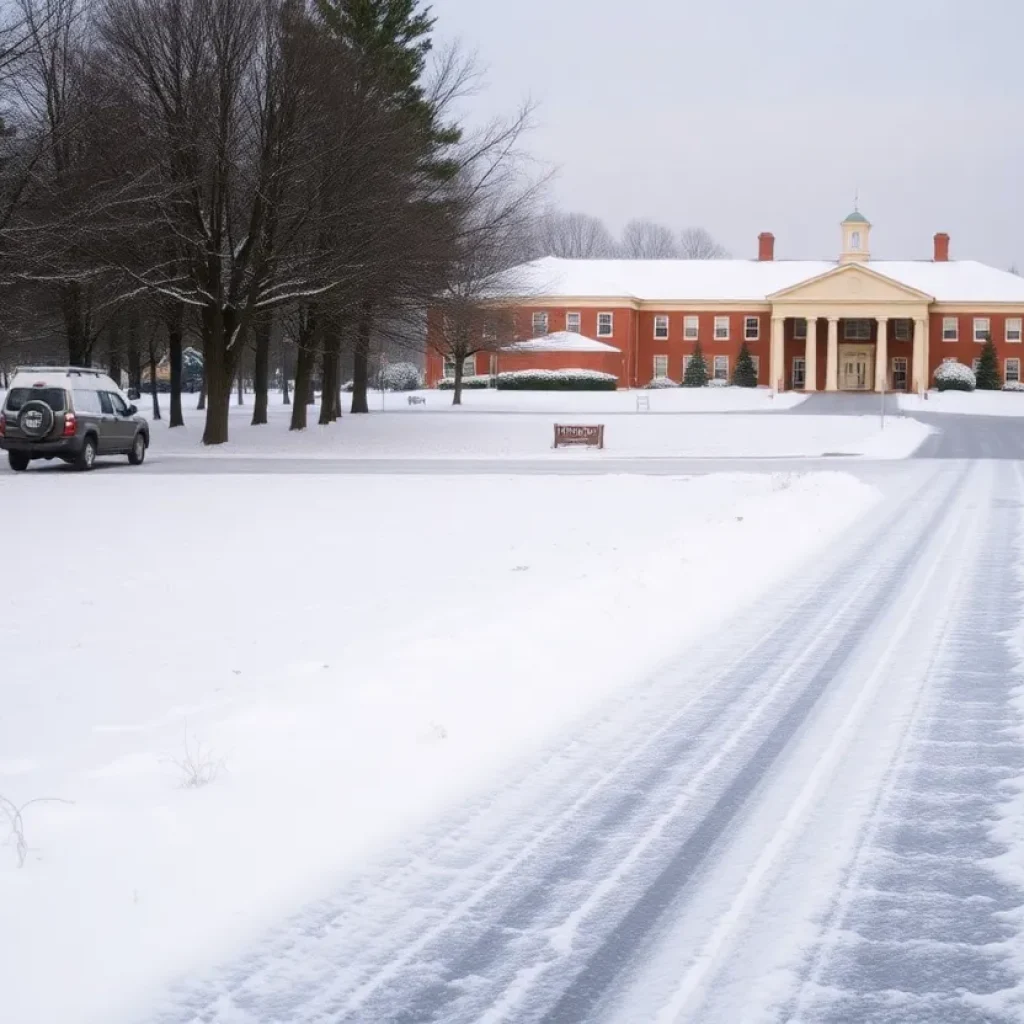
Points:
765	115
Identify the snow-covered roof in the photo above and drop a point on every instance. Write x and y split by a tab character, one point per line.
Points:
750	280
561	341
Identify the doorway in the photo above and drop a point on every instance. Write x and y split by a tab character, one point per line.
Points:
856	367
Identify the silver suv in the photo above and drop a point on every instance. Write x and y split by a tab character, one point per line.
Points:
69	413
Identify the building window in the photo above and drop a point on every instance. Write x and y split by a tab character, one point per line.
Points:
605	325
489	332
799	372
686	363
1011	371
572	323
899	373
721	328
949	359
751	328
540	324
756	360
976	364
721	367
901	330
950	328
660	367
1013	324
799	329
661	328
982	328
857	330
468	366
691	328
855	240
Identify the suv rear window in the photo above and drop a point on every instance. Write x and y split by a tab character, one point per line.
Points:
53	397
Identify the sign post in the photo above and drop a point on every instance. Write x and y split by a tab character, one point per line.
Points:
576	436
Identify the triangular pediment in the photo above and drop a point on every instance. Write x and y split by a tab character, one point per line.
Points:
851	282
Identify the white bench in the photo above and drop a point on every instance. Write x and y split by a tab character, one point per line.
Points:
417	400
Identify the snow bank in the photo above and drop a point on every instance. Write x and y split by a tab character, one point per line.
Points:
439	432
347	669
973	403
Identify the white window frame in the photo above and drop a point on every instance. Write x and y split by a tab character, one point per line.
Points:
749	321
542	318
660	367
723	374
801	362
951	328
1006	370
686	362
800	329
468	367
661	327
979	330
1009	332
850	335
570	319
756	360
601	331
691	328
976	363
721	332
896	360
489	331
901	330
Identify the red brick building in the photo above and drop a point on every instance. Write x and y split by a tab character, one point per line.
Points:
851	324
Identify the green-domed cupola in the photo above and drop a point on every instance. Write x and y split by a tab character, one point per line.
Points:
856	239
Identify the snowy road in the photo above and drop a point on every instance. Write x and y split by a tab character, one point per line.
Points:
810	818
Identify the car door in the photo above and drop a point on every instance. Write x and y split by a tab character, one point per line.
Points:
122	425
106	425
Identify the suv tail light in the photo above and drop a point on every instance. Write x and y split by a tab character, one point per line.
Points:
3	424
69	424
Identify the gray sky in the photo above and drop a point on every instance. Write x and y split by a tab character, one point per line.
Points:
765	115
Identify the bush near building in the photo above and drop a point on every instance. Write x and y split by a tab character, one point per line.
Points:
557	380
468	383
696	373
987	376
744	375
954	377
661	382
399	377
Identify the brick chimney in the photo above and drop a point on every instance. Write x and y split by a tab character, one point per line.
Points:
941	248
765	246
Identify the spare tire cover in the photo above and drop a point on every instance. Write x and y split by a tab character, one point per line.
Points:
35	419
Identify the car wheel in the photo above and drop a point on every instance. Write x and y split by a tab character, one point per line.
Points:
87	456
18	460
138	453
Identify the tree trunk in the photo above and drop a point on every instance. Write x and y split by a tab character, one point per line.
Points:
152	375
261	372
176	357
114	359
457	390
361	359
220	366
135	358
241	385
303	365
285	370
79	343
330	401
201	404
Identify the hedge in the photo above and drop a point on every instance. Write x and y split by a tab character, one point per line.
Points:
468	383
954	377
661	382
557	380
1014	385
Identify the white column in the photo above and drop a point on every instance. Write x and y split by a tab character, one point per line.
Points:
832	360
920	357
882	355
811	356
776	355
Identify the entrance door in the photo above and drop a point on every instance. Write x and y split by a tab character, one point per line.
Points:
856	368
899	373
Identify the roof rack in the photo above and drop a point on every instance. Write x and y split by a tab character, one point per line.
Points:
82	371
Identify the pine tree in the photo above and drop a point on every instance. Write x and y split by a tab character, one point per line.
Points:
744	375
988	376
696	375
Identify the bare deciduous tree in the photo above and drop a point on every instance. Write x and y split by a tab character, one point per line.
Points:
698	244
648	240
574	236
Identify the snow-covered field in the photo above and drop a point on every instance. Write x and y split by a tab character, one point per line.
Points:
967	403
439	431
340	658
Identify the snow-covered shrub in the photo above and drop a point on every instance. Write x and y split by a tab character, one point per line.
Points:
716	383
348	387
399	377
557	380
468	383
661	382
1014	385
954	377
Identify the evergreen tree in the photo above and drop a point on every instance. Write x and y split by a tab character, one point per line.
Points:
988	376
744	376
696	375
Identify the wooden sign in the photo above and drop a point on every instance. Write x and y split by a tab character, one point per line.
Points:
576	436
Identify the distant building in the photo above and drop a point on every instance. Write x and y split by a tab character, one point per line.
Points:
851	324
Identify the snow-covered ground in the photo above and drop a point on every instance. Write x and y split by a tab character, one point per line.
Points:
343	657
441	432
967	403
